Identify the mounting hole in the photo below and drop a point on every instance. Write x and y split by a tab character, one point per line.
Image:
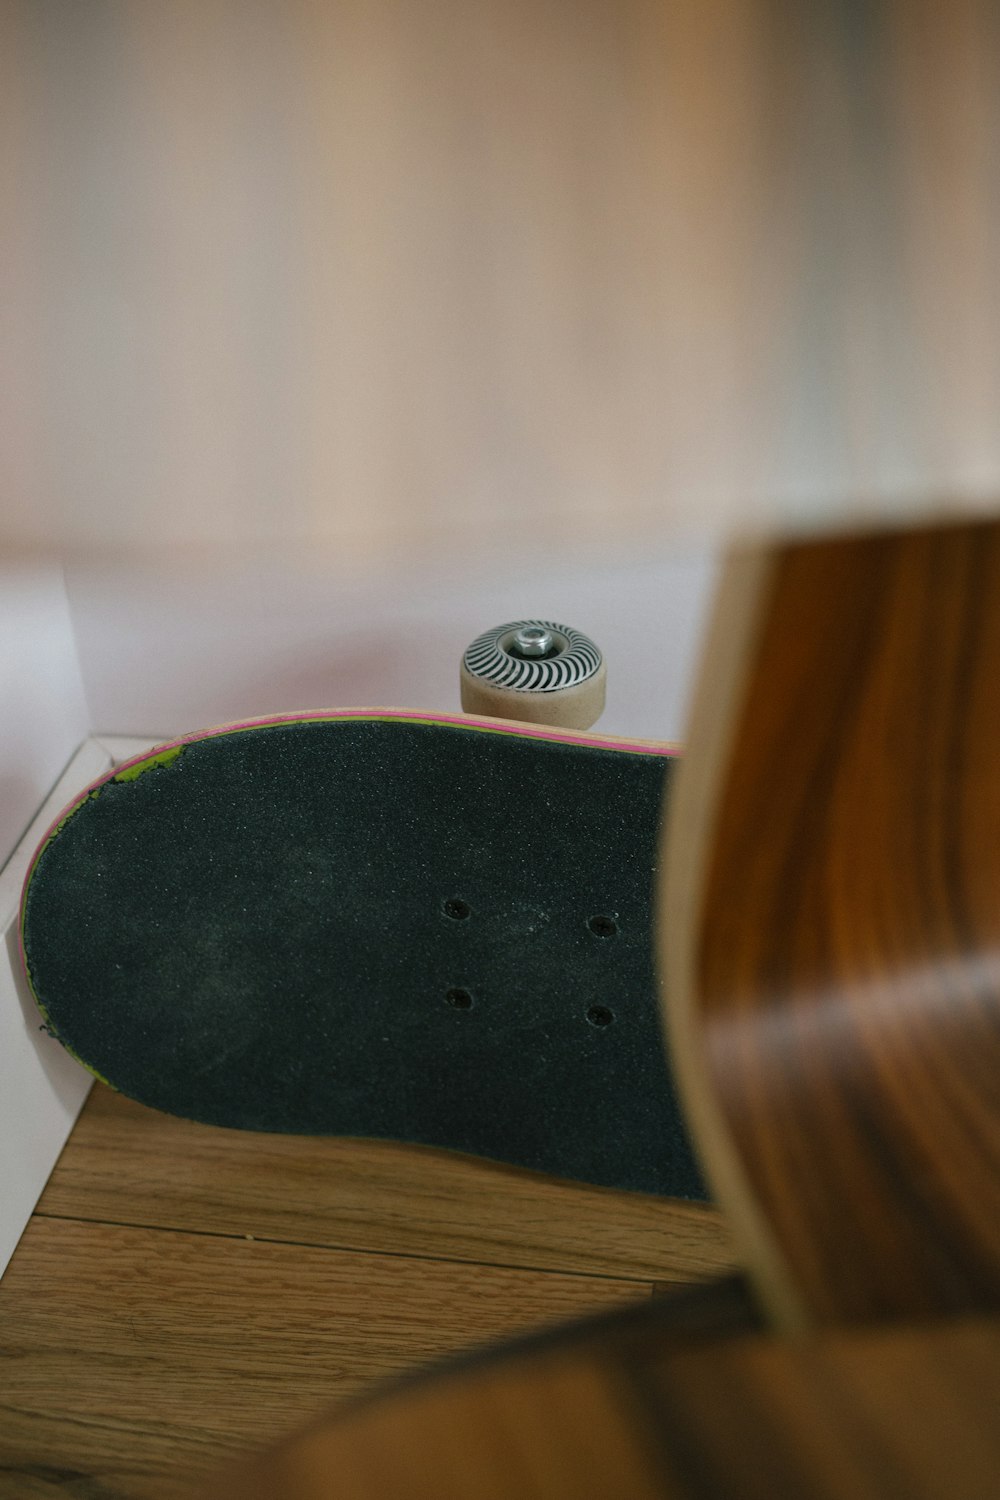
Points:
599	1015
456	909
458	998
603	926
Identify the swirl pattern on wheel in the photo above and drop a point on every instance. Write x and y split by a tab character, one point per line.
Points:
574	659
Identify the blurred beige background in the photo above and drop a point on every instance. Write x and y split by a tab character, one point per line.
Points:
383	280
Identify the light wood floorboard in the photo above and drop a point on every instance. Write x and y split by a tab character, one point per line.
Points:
184	1294
130	1165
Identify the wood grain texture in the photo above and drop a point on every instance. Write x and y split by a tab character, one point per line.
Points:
131	1165
384	280
845	1001
911	1413
547	1416
240	1282
557	1429
133	1360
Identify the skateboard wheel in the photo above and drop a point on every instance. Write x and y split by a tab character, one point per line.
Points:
537	671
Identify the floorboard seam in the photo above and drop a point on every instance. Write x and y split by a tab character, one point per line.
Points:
268	1239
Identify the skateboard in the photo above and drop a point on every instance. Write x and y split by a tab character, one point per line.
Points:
374	923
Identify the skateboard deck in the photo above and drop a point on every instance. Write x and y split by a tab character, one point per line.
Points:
374	923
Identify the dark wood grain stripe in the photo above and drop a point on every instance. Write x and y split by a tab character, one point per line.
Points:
849	951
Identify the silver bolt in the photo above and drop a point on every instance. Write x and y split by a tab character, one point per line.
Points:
533	640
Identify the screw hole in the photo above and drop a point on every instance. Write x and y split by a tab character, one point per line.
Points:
599	1015
459	998
456	909
603	926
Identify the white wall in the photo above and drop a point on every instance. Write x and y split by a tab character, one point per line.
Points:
163	653
43	708
43	719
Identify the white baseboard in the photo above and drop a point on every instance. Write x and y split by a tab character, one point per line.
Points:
42	1089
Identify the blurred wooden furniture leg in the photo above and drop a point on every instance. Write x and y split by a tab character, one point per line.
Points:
554	1415
637	1409
830	923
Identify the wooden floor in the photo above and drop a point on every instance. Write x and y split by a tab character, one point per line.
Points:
184	1294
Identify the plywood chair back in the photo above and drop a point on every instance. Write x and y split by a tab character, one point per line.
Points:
830	922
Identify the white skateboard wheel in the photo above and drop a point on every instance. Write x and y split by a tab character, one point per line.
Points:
535	670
